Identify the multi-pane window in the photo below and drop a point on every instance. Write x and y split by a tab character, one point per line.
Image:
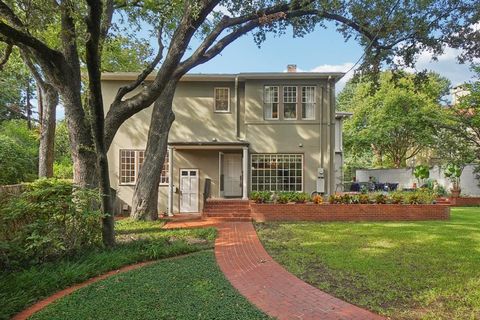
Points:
277	172
127	166
289	102
130	164
270	100
222	99
308	103
295	99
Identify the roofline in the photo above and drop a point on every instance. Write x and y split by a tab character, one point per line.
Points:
129	76
343	114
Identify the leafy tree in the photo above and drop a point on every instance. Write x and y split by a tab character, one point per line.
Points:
395	122
386	29
18	152
14	80
465	116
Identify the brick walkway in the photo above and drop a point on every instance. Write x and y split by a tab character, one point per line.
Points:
268	285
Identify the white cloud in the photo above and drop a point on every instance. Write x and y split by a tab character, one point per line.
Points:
344	67
446	65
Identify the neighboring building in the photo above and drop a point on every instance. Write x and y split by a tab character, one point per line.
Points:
457	93
244	132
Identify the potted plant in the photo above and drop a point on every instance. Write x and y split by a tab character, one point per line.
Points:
421	172
453	173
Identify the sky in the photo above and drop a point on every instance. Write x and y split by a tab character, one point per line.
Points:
322	50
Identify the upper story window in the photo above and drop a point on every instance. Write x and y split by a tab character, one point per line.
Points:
222	99
295	100
289	103
270	102
130	163
308	103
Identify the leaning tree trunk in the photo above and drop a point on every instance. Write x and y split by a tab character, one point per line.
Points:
80	137
145	197
49	97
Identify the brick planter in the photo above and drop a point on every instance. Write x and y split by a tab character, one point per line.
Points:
465	201
348	212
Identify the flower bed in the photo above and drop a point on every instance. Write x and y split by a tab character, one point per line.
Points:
465	201
348	212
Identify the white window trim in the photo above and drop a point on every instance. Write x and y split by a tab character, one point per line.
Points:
314	102
278	103
278	154
215	100
136	168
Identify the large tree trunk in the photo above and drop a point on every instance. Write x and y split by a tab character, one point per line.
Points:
145	197
49	101
98	118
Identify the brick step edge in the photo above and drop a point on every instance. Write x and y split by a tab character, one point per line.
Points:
215	209
228	202
231	219
226	215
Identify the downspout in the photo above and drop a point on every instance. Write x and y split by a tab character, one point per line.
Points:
237	111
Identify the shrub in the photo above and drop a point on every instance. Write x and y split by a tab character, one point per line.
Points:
317	199
51	218
18	152
397	198
380	198
334	199
346	199
301	197
63	170
283	197
260	196
412	198
364	198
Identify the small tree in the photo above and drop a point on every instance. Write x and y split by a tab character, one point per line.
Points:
421	172
453	172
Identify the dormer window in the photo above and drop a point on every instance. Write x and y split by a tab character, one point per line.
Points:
222	100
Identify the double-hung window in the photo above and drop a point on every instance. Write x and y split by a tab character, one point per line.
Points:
289	102
276	172
308	103
295	99
222	99
270	100
130	164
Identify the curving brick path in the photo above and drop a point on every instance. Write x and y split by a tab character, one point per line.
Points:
254	274
268	285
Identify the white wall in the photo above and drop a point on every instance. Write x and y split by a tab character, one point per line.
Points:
405	178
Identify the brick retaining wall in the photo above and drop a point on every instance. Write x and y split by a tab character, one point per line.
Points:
348	212
465	201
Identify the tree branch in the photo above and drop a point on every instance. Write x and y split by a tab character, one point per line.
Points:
20	38
144	74
10	16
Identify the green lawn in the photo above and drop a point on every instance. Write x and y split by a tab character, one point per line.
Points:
189	287
406	270
137	241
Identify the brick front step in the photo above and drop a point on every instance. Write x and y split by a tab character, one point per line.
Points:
227	214
225	209
227	202
231	219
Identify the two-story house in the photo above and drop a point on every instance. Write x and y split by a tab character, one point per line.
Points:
239	132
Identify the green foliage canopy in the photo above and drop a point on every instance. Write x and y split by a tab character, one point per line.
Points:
394	121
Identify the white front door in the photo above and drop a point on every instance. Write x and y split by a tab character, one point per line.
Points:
188	190
232	174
